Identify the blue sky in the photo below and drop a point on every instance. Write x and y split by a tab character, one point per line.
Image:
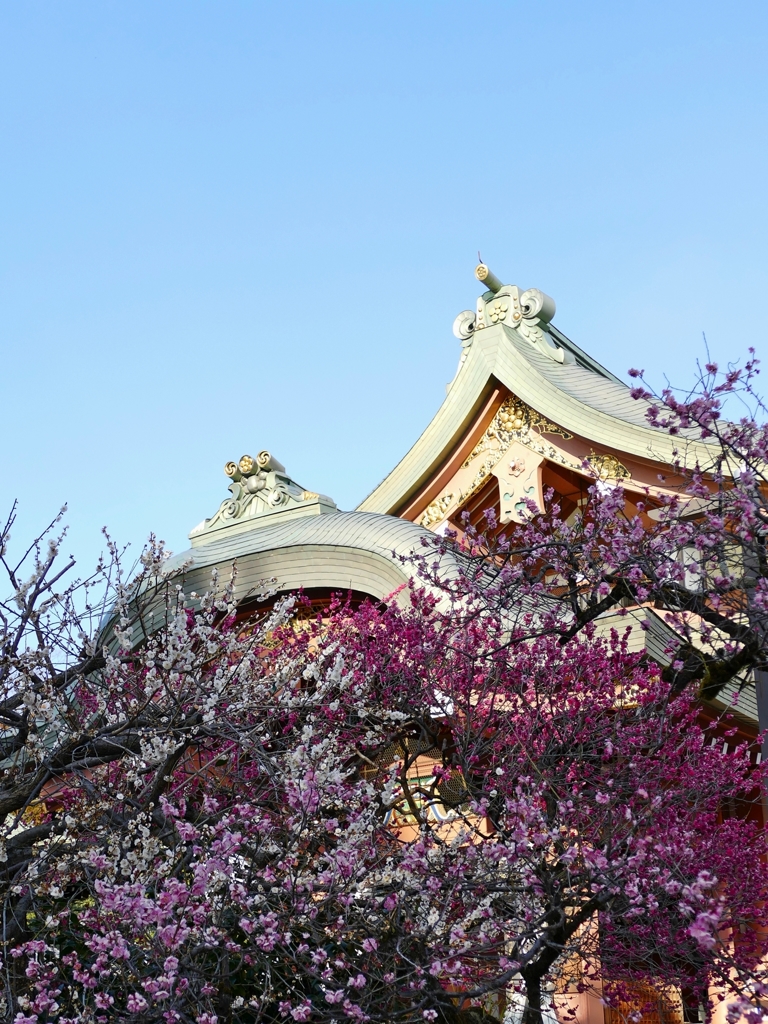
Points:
232	226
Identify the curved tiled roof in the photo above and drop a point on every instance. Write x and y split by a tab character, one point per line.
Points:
369	531
338	551
600	391
361	551
579	395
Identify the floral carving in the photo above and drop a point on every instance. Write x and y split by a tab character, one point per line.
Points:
498	311
479	479
435	511
607	467
528	312
259	485
512	422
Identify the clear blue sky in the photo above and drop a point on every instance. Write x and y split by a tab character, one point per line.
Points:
229	226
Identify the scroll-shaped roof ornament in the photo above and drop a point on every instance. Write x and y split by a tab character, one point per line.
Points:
528	312
260	487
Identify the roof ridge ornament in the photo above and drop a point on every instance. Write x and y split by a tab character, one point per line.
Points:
260	486
528	312
485	276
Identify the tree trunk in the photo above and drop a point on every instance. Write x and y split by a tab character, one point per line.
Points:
532	1013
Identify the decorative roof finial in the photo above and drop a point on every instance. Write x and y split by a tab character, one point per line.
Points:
528	313
260	487
488	278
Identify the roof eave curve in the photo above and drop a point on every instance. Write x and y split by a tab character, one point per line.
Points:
497	356
361	551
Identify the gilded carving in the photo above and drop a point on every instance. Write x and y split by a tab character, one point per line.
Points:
551	453
480	477
435	511
513	421
528	312
607	467
480	317
498	311
259	485
518	477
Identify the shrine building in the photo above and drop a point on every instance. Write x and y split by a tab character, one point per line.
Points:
527	411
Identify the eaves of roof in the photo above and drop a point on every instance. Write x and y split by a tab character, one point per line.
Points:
581	397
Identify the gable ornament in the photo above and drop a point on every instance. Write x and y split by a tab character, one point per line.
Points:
513	421
528	312
259	485
607	467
